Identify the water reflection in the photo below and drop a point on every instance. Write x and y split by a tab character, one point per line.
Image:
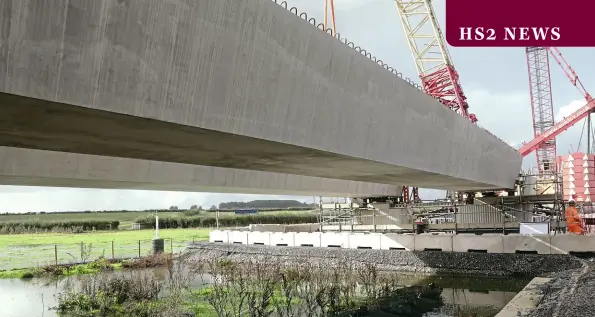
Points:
461	297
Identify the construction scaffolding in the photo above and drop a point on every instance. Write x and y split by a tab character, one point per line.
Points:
535	200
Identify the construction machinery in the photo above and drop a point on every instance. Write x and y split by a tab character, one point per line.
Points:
545	128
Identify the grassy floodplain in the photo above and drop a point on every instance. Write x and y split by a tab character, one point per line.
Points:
30	250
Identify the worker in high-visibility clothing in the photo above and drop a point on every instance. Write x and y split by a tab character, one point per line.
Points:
572	219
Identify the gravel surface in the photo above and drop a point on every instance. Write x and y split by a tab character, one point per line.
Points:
570	293
485	264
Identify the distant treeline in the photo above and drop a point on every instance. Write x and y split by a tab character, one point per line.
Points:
88	212
72	226
260	205
265	204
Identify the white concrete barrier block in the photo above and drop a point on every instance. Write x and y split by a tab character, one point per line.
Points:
334	240
426	242
306	227
395	241
238	237
477	243
283	239
364	241
260	238
218	236
515	243
307	239
566	243
267	228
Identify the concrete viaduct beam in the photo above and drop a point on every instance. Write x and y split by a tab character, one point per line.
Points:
226	83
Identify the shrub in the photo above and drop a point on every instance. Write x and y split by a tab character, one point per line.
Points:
157	260
104	295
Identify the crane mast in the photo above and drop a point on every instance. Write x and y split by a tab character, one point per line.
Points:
542	107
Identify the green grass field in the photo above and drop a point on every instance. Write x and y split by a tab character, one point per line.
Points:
29	250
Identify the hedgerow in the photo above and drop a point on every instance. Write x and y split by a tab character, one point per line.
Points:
226	221
32	226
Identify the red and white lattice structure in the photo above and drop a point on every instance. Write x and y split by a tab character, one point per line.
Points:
562	125
578	176
542	107
438	75
434	66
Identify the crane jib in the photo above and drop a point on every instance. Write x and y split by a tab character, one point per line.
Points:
558	128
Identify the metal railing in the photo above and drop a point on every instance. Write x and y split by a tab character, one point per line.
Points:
405	216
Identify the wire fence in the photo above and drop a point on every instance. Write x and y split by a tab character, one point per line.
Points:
35	255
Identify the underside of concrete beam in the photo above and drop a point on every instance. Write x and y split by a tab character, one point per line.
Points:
26	167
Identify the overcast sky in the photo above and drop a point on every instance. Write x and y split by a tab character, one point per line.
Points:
494	79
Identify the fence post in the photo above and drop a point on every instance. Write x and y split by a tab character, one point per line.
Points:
113	250
139	248
82	252
56	254
171	244
374	219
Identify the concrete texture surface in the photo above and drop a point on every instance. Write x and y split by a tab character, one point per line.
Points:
236	84
27	167
526	300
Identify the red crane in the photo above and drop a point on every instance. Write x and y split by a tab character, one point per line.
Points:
542	106
434	66
564	124
433	63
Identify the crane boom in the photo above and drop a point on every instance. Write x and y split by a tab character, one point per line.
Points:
558	128
569	71
569	121
433	63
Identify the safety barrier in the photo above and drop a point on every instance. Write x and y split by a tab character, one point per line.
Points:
486	243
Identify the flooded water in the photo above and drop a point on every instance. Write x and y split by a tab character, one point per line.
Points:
35	297
462	297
